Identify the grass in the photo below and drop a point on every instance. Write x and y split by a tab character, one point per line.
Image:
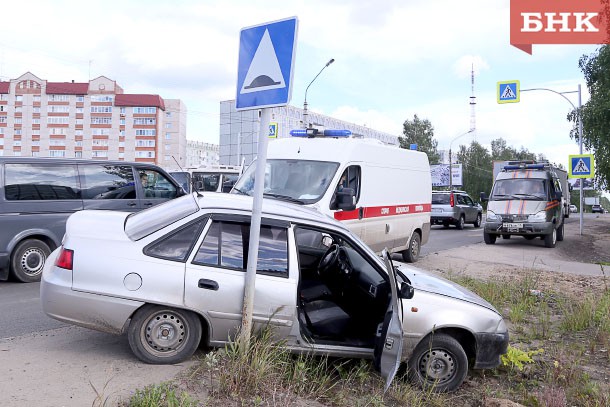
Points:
559	352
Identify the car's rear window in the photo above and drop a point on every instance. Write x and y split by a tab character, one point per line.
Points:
141	224
440	199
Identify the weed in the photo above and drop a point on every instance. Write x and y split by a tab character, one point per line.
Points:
516	358
161	395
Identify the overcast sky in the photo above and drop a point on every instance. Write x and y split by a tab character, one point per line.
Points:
393	59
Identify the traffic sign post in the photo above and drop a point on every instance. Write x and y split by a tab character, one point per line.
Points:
508	92
264	79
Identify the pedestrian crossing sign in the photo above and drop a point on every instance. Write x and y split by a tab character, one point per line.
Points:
508	92
581	166
273	130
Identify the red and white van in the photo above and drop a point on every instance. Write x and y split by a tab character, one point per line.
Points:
382	192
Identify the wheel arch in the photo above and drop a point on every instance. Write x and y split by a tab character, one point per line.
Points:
465	338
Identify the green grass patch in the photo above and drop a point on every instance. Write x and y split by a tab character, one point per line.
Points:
161	395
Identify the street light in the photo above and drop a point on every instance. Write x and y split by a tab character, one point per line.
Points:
305	124
450	160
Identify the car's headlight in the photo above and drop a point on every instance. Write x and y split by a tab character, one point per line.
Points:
501	328
492	217
537	217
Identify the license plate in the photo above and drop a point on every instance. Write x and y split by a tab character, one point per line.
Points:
512	227
436	210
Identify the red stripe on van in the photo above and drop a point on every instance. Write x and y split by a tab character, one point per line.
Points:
379	211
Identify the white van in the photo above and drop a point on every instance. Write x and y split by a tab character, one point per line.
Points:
382	192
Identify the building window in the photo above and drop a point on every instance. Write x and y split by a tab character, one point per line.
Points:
121	155
101	132
78	132
144	121
36	98
102	98
168	147
57	142
121	144
78	154
168	136
80	110
78	143
36	121
79	121
35	143
167	157
58	109
36	109
2	119
18	120
101	109
122	122
17	132
59	98
146	132
19	98
97	142
101	120
168	125
168	114
35	153
144	110
80	98
122	133
97	154
18	109
122	110
57	153
145	154
57	120
145	143
17	143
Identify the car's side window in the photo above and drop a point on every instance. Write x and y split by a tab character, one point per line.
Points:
107	182
177	245
226	245
24	182
460	199
468	201
156	185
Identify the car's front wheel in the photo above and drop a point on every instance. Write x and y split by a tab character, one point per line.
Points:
551	239
163	335
438	363
560	232
477	222
489	238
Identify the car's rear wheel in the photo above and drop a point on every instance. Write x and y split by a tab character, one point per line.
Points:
28	260
551	239
489	238
412	253
163	335
438	363
460	223
477	222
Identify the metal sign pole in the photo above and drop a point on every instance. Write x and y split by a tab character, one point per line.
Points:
580	152
255	227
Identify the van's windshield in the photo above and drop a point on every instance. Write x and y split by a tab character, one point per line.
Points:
519	188
300	181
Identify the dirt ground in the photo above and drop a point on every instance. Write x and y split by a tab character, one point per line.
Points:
573	266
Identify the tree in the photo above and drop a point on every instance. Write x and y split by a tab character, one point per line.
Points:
596	112
420	132
477	174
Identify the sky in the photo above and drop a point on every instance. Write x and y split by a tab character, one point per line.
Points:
393	60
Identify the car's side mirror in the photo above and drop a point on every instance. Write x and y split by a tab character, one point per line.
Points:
484	197
346	199
406	291
558	195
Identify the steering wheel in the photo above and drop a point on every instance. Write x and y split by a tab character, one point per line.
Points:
329	258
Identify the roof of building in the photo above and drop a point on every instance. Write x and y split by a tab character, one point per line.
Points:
4	87
67	88
139	100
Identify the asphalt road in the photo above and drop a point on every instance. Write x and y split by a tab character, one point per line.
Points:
450	238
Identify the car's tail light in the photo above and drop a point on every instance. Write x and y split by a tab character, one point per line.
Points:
451	200
65	258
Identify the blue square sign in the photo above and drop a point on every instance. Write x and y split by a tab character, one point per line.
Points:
266	62
508	91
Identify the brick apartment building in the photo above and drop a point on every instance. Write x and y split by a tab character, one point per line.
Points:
90	120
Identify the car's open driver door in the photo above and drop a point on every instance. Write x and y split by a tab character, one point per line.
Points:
388	346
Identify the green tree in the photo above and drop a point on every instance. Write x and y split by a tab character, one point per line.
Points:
596	112
477	171
420	132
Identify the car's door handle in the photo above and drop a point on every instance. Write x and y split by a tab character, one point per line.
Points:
208	284
148	204
132	204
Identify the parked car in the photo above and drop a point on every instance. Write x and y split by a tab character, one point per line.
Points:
597	209
573	209
38	194
455	208
173	276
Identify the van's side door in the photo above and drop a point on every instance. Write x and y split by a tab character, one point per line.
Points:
111	187
154	186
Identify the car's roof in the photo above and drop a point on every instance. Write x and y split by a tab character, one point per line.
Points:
275	207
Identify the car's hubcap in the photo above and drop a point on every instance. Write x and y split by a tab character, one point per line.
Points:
165	332
414	248
32	261
437	366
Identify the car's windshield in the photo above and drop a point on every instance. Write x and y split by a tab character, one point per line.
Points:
520	188
297	180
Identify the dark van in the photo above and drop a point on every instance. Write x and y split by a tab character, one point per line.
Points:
38	194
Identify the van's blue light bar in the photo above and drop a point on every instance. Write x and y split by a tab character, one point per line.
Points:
316	132
524	167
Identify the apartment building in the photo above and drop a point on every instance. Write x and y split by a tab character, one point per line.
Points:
200	154
94	119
